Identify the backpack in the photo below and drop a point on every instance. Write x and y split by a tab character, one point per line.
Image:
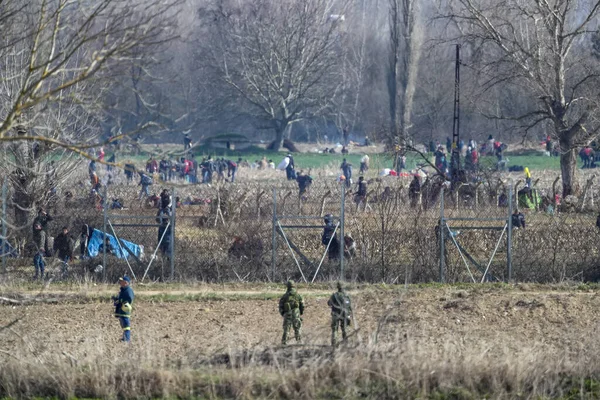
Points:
146	180
291	303
345	304
341	304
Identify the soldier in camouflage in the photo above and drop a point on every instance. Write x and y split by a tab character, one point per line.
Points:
341	312
291	307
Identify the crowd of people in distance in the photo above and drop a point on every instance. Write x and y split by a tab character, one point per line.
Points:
186	169
471	154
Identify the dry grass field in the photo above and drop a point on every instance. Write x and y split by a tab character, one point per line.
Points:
222	341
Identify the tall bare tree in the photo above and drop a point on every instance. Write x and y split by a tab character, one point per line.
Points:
65	42
60	58
348	102
543	47
275	56
405	40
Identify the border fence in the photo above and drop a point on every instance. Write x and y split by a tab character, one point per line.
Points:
266	231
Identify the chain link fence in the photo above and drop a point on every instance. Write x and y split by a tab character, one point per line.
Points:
268	231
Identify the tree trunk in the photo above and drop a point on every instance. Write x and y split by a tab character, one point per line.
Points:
392	88
21	181
568	164
392	72
278	142
23	203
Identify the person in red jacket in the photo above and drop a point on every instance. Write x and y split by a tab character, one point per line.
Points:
475	157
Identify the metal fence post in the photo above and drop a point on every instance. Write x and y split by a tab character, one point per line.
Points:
441	236
172	245
509	234
4	228
274	236
342	217
105	218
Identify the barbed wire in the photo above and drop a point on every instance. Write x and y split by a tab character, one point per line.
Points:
225	231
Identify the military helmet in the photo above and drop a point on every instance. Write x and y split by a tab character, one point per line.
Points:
290	284
340	285
328	218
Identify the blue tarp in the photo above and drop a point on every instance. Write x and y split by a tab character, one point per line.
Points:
97	239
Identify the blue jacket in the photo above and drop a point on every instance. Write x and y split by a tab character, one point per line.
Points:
125	297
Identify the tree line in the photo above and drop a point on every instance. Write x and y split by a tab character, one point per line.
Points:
76	74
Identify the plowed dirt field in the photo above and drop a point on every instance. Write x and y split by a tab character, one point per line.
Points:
192	323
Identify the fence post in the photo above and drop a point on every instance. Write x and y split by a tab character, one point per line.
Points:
509	234
4	228
172	245
441	236
104	218
342	217
274	236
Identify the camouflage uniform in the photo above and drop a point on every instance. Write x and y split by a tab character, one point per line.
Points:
291	307
341	312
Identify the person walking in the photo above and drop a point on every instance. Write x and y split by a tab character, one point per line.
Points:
291	308
111	160
289	169
330	238
163	217
231	170
92	167
341	312
43	219
518	220
145	182
129	171
360	196
187	141
364	164
304	183
346	168
527	178
400	164
40	238
63	245
123	304
414	191
39	264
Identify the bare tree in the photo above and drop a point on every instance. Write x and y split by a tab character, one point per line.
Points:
274	56
405	40
60	58
433	98
63	43
543	47
348	100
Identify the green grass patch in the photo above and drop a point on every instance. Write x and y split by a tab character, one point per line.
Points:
535	162
531	158
588	388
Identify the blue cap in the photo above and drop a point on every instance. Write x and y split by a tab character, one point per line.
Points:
126	279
